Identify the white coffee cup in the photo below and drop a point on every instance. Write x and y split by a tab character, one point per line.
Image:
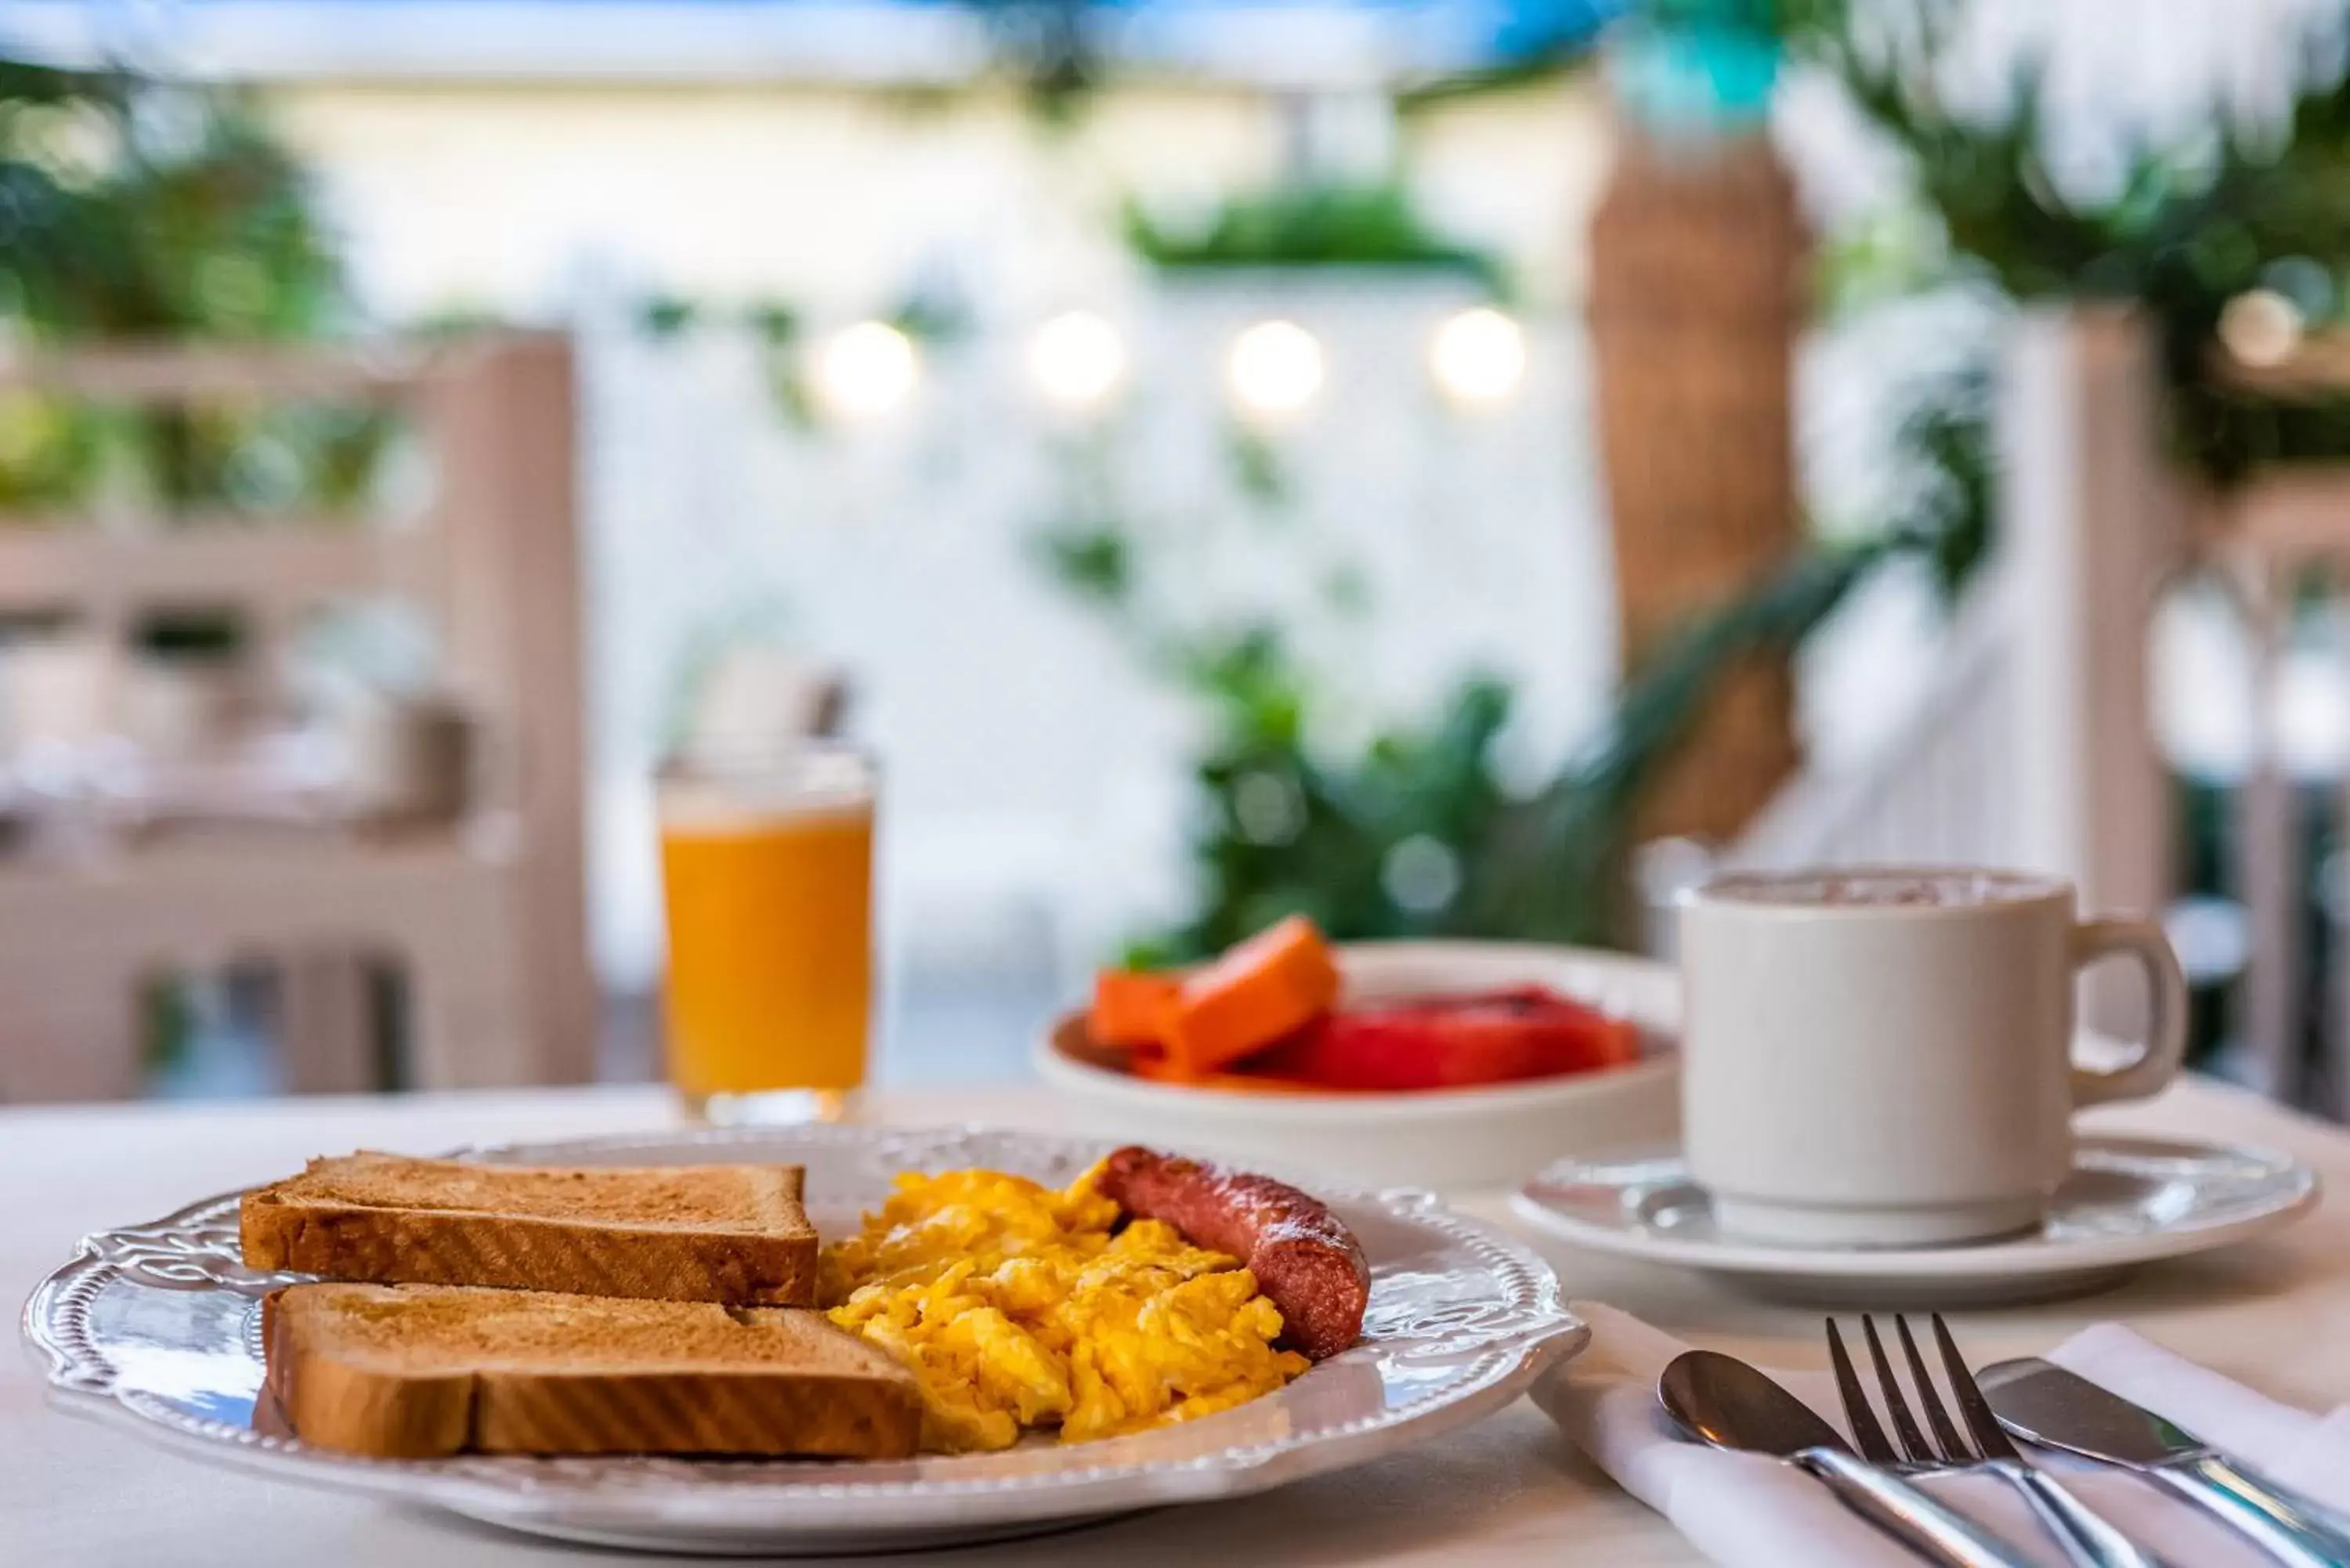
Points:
1883	1056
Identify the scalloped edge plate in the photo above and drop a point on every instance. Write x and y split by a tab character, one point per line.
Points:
1462	1321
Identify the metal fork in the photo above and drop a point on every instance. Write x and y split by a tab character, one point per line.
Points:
2089	1540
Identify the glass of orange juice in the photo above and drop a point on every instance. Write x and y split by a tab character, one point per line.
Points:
767	872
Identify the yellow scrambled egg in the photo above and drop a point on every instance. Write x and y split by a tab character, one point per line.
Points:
1015	1307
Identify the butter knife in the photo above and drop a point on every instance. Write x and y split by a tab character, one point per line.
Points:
2043	1403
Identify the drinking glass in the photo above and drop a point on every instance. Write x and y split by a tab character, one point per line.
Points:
767	873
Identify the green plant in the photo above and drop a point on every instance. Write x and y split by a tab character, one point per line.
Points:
1374	844
138	210
1311	224
1416	834
2189	228
1945	439
133	210
1557	857
50	451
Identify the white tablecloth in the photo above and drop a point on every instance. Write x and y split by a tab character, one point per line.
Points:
1509	1491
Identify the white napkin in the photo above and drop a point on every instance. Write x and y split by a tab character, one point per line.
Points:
1745	1511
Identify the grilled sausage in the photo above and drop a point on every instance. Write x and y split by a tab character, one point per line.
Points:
1305	1258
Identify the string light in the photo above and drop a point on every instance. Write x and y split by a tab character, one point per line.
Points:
1478	357
1274	369
867	370
1077	359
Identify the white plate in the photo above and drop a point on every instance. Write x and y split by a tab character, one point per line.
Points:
156	1328
2129	1201
1448	1138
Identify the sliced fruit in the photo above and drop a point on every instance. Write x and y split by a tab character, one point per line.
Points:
1453	1042
1269	986
1127	1006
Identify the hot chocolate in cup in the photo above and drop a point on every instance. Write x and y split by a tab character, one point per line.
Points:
1881	1056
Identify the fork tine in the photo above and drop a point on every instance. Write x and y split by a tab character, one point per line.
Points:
1905	1425
1866	1432
1946	1435
1989	1436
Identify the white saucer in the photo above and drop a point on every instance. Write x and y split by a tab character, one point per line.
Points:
2129	1201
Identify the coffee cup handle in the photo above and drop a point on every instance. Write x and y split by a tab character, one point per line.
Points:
2166	1036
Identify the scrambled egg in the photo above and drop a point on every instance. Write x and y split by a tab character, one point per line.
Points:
1015	1307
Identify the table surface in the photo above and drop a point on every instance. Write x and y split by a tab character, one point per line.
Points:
1507	1490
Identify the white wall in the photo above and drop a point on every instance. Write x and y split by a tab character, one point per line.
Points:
1036	770
1036	776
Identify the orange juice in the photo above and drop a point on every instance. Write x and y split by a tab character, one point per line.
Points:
770	948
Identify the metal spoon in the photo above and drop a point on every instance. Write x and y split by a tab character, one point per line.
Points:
1722	1401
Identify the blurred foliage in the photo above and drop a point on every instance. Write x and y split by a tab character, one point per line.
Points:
1094	564
1253	460
50	452
1555	864
1416	834
1049	45
2187	229
133	210
1312	225
130	209
1376	845
663	317
932	313
1944	442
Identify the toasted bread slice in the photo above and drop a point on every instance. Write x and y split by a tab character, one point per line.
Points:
730	1233
425	1371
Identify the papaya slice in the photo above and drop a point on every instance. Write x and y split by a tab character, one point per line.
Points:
1258	993
1127	1006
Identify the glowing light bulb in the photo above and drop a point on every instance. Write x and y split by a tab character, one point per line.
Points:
2261	327
866	369
1076	360
1478	357
1275	368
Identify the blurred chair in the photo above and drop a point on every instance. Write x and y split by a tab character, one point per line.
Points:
484	920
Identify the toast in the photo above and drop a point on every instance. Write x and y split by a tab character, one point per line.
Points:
426	1371
734	1235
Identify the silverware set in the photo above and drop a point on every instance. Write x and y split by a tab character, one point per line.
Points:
1722	1401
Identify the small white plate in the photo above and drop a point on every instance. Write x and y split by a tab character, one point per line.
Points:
155	1328
2129	1201
1445	1139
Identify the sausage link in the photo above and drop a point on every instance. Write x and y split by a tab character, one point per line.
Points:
1305	1258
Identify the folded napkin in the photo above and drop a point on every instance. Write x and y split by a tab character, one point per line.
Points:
1746	1511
